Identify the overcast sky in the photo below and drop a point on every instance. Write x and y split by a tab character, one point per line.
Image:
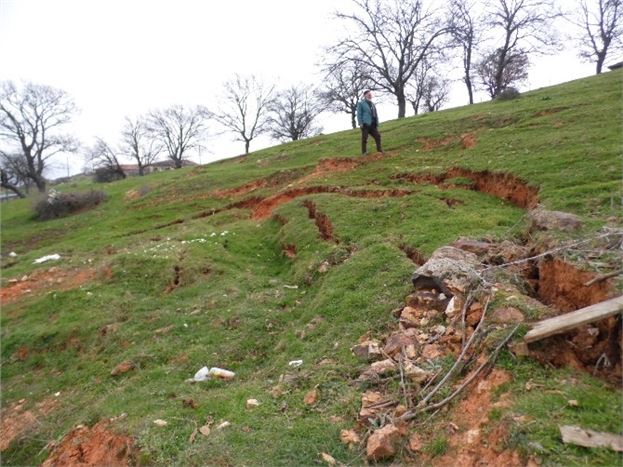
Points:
120	58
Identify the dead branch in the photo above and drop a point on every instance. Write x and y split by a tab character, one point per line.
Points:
603	277
554	250
490	359
459	359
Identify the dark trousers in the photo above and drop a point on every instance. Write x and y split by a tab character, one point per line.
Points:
374	132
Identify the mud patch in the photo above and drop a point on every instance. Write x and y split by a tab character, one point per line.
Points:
413	254
289	250
451	202
468	140
428	144
325	227
552	111
595	348
476	442
263	208
96	446
501	185
16	421
175	283
240	190
328	166
49	279
561	285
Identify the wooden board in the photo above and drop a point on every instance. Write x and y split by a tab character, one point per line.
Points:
562	323
590	439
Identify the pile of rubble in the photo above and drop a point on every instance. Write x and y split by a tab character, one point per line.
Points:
461	298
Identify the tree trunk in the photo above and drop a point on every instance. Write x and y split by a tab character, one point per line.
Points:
402	106
467	63
402	100
40	182
600	62
353	119
141	170
468	83
247	142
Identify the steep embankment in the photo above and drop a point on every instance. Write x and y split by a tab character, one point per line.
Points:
301	252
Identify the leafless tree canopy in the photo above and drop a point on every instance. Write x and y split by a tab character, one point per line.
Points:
178	129
514	70
293	112
344	85
30	122
391	38
102	156
138	143
13	173
601	22
245	110
467	35
525	27
415	87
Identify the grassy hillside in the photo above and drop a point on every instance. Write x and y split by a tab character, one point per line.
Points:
189	268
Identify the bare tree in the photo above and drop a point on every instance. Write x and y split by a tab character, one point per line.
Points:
415	87
514	70
245	110
344	87
13	173
525	26
138	142
391	38
178	129
467	34
293	112
435	92
102	156
30	120
601	22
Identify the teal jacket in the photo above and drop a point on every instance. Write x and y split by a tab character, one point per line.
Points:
364	114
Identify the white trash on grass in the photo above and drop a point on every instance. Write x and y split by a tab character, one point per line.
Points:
204	374
43	259
295	363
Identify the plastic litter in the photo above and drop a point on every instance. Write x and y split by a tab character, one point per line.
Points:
206	373
202	374
43	259
295	363
222	373
12	254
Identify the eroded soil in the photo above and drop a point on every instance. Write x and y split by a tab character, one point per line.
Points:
96	446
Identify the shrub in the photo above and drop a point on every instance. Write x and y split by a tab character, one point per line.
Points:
106	175
508	94
62	204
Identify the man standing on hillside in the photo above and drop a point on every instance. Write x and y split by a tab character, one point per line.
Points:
368	121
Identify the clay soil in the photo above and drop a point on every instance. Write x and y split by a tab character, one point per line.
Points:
477	442
96	446
501	185
46	280
595	348
16	421
323	223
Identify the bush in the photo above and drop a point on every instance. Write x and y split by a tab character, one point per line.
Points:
62	204
508	94
106	175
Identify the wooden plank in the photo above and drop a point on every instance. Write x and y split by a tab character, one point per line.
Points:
590	439
562	323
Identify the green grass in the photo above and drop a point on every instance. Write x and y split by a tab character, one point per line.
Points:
242	305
